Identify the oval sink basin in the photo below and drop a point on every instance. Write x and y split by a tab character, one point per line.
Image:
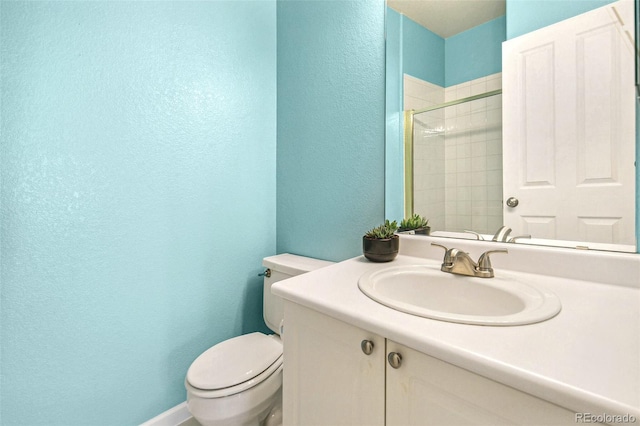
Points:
428	292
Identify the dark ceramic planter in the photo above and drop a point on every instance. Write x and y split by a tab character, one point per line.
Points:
380	250
424	231
420	231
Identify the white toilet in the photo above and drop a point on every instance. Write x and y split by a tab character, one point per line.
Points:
239	381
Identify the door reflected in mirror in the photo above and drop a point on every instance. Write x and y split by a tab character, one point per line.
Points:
570	155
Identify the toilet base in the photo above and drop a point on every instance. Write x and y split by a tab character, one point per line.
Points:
264	415
274	418
258	406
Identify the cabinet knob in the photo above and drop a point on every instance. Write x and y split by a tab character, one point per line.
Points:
395	359
367	346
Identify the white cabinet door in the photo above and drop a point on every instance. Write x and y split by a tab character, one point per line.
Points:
328	379
569	128
426	391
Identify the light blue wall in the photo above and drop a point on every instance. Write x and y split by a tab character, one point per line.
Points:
138	144
331	118
394	161
423	53
524	16
466	56
474	53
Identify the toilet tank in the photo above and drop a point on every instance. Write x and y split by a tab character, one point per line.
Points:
281	267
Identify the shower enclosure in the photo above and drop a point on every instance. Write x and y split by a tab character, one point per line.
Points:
453	163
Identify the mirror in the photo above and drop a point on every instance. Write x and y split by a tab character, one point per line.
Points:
463	171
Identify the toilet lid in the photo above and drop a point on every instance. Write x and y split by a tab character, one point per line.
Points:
234	361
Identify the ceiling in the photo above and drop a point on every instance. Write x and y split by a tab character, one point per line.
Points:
449	17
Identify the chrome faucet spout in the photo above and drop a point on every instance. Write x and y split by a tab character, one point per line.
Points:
502	234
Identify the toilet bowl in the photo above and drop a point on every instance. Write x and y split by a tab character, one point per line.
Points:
238	382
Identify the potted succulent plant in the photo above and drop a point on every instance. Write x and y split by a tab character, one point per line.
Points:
381	244
415	223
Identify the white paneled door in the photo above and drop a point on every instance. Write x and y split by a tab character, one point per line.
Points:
569	129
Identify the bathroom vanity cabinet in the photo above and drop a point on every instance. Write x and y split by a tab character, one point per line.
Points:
584	360
328	378
340	374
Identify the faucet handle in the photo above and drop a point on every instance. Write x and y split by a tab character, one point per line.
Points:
440	245
448	261
478	236
484	262
514	239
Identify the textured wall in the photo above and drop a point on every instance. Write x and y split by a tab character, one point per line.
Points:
524	16
480	46
394	143
423	53
463	57
138	199
331	117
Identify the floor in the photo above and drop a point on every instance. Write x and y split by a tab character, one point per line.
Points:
190	422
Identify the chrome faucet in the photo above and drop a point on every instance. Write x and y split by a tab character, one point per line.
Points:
458	262
502	234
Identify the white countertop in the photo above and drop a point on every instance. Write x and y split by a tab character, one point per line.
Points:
586	359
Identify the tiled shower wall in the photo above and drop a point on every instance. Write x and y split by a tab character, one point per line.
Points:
458	155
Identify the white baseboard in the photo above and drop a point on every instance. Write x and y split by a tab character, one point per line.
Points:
172	417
